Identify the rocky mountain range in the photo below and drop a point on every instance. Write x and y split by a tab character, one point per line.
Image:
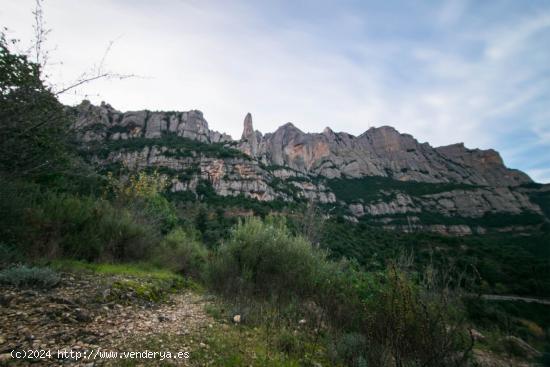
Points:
381	175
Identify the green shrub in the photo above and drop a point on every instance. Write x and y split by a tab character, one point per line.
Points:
411	326
288	342
161	212
86	228
15	196
264	261
350	349
182	253
21	276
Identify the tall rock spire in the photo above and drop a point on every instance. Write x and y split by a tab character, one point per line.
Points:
249	137
248	130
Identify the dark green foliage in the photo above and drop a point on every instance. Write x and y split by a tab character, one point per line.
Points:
504	314
506	263
351	349
528	321
87	229
488	220
542	198
157	211
9	254
181	196
44	224
33	125
179	147
369	189
201	220
205	191
284	186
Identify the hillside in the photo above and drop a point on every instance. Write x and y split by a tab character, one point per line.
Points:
381	176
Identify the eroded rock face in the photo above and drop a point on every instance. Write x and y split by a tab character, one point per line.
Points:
473	203
228	176
400	204
383	152
292	165
99	123
476	203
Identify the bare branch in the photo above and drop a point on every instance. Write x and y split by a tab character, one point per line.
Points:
97	72
40	36
93	78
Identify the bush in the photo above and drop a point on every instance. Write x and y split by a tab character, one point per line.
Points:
412	326
182	253
350	349
288	342
22	275
262	260
86	228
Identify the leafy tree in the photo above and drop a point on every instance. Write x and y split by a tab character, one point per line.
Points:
33	124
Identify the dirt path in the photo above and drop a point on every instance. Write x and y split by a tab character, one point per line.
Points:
73	317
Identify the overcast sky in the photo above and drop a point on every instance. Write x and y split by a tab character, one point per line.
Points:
476	72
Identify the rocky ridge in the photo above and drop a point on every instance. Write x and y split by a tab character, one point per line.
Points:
290	165
381	152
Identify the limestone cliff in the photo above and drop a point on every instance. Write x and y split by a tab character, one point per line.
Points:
381	174
103	123
384	152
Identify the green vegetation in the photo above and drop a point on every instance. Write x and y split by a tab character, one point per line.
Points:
542	198
529	321
138	270
370	189
46	224
488	221
32	121
182	253
144	282
24	276
178	147
505	263
264	260
273	278
149	290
